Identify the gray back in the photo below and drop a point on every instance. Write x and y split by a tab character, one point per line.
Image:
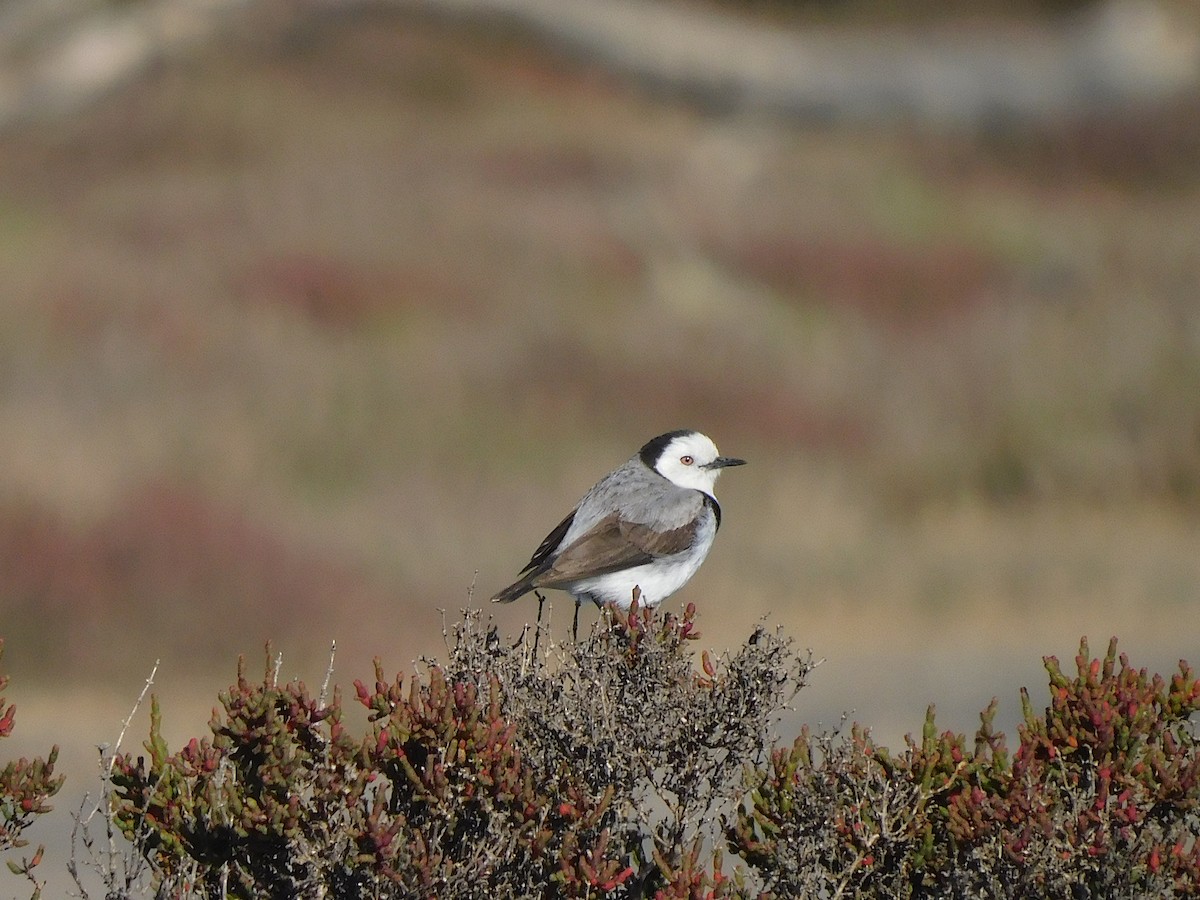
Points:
641	495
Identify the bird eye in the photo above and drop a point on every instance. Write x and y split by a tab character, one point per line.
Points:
686	460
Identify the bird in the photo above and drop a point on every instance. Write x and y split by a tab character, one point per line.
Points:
641	532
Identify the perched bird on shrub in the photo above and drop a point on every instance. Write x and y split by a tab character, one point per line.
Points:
646	526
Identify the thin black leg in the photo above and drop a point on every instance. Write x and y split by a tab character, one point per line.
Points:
537	631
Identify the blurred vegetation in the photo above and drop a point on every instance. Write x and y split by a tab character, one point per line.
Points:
877	11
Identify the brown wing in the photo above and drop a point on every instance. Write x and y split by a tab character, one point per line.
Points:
550	544
611	545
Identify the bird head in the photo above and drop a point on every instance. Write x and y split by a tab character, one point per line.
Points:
688	459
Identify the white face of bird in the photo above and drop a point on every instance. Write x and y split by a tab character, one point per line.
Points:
692	460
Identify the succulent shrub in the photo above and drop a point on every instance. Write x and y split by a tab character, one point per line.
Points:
26	785
1100	799
598	768
628	765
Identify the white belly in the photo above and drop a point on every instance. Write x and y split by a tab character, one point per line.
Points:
657	580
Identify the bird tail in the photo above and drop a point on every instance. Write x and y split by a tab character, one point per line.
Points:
514	590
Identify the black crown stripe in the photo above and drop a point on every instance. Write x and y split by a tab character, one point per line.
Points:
654	447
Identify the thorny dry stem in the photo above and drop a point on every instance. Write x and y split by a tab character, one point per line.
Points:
109	866
328	675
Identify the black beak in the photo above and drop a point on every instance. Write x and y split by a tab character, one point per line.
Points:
722	462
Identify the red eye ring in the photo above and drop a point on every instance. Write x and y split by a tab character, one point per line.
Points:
686	460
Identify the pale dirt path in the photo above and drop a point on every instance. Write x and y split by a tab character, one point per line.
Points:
1123	52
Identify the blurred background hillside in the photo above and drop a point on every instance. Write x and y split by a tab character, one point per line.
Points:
317	316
